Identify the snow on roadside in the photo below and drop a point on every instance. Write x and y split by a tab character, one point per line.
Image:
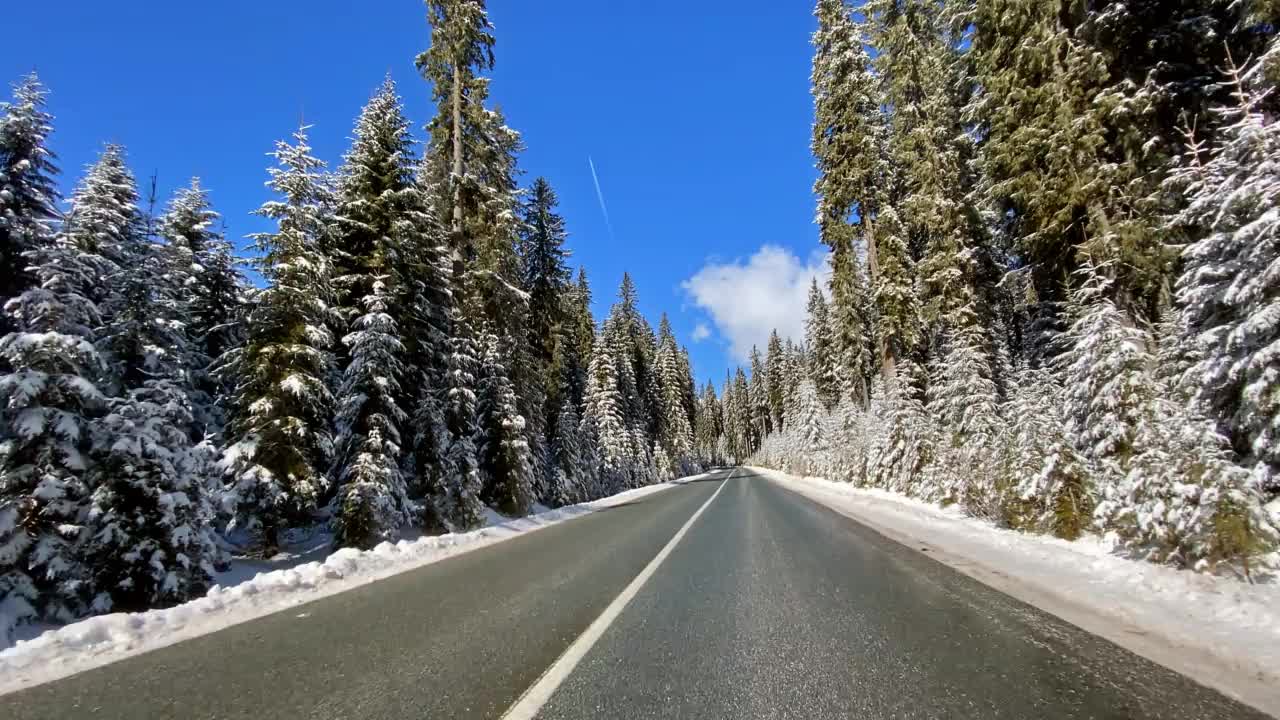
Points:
1220	630
104	639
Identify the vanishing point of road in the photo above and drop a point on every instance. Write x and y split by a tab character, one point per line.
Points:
727	597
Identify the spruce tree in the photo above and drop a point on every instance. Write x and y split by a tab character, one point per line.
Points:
461	48
149	539
1227	294
378	200
603	414
50	401
372	502
1107	375
458	500
428	298
774	365
546	278
213	297
1051	482
570	480
280	443
849	137
505	463
28	189
675	436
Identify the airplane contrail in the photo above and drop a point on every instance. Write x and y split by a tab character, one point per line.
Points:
600	195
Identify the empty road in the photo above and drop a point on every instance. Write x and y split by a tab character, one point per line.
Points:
722	598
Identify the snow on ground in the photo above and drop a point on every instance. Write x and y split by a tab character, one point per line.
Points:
253	588
1220	631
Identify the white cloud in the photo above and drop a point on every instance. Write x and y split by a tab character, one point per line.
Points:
748	299
701	332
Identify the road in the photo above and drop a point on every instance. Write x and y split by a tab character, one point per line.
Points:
767	605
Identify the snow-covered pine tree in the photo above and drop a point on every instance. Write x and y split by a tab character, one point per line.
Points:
1184	499
758	396
377	201
915	61
603	420
202	263
569	480
461	48
546	278
709	426
427	295
849	143
279	439
743	440
807	426
963	400
505	464
372	502
50	398
1052	483
28	189
458	499
675	435
822	354
1226	291
149	539
1107	373
774	366
907	443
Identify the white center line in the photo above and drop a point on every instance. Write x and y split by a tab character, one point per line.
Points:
527	707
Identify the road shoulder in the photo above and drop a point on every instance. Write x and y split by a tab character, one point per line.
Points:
1214	645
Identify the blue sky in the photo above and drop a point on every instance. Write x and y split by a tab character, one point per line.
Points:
696	113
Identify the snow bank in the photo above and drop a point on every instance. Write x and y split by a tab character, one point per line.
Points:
104	639
1220	631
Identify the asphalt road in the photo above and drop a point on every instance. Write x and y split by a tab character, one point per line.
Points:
770	606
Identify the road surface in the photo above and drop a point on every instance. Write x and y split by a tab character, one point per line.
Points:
766	605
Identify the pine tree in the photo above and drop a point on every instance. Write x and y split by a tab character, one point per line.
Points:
377	202
1052	483
428	297
1184	500
818	338
505	463
213	287
372	502
459	497
461	48
908	443
50	399
709	427
570	480
546	275
963	399
1227	296
149	539
675	435
603	420
1107	373
758	397
546	278
774	365
28	188
849	136
280	444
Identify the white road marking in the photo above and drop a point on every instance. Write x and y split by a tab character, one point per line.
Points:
527	707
